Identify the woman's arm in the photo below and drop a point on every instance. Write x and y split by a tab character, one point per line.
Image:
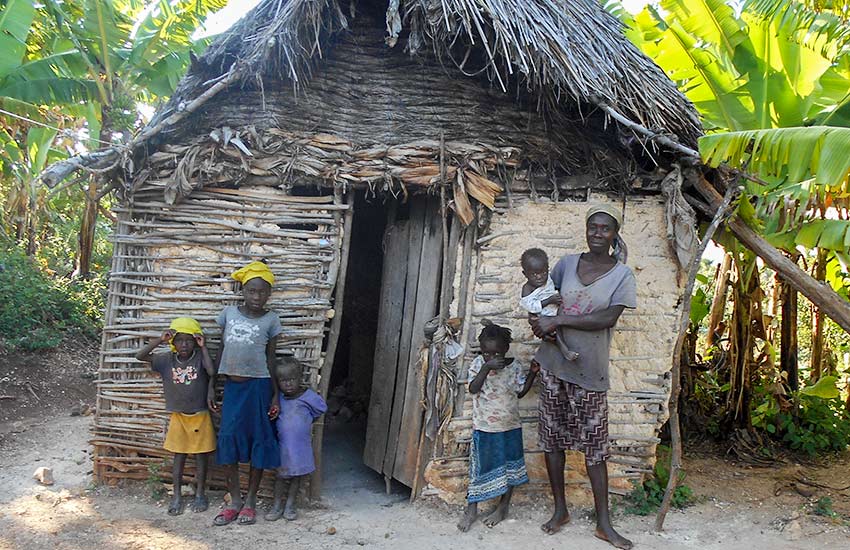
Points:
597	320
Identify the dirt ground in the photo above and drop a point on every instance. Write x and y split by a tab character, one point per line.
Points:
739	507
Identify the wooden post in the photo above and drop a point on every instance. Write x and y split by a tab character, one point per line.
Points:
675	428
330	351
836	307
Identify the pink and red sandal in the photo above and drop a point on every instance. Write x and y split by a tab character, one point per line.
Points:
228	515
247	516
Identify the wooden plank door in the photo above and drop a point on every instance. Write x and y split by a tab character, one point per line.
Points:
409	298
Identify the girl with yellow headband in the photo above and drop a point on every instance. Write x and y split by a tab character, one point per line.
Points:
187	373
247	360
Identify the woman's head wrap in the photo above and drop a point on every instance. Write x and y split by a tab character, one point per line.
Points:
186	325
252	271
621	253
609	209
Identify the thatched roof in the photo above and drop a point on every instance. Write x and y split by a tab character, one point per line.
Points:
563	51
567	58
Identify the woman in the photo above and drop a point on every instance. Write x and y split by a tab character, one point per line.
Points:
595	287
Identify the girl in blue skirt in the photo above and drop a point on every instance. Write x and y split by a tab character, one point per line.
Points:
496	460
247	359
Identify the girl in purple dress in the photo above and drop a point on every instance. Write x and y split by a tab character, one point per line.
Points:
299	408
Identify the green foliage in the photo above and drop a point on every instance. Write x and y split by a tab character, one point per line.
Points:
154	481
815	426
645	498
36	310
824	508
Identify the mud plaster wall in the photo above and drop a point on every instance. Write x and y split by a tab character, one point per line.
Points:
641	349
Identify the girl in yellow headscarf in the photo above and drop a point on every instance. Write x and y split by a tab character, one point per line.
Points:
247	359
187	373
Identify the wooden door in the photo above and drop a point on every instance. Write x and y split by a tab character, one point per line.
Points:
410	288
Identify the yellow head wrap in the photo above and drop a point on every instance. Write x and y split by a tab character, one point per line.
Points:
609	209
252	271
186	325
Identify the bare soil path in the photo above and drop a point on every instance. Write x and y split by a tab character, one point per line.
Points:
741	509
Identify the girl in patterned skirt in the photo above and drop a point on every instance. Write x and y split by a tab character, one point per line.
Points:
496	461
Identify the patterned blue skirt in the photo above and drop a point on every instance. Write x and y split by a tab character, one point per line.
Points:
246	434
496	462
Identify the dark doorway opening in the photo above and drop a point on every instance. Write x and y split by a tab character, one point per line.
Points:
344	473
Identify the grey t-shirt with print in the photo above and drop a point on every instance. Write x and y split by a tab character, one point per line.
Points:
184	385
245	340
614	288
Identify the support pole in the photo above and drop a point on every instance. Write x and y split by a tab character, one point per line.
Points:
333	339
675	429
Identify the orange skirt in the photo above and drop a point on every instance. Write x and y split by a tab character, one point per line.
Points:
190	433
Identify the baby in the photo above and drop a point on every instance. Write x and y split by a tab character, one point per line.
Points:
539	295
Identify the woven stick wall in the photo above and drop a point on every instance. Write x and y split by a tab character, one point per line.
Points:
172	261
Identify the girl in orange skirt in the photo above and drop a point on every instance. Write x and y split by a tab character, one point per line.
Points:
186	373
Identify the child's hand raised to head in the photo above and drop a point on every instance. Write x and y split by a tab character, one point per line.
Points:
200	340
167	335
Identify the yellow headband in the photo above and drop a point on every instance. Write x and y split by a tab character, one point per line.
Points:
609	209
186	325
252	271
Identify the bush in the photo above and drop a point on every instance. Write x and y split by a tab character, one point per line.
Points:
645	498
36	310
815	426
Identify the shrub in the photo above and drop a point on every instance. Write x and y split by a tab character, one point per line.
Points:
36	310
645	498
818	421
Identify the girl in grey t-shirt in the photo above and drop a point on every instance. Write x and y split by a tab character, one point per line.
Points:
247	359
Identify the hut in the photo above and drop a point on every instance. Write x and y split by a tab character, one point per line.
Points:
390	161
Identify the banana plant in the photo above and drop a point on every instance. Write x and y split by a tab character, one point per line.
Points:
96	59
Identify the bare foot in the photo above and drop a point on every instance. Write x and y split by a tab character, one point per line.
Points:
176	506
200	504
559	519
500	513
613	537
275	513
468	519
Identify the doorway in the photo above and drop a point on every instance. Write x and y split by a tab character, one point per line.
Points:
372	428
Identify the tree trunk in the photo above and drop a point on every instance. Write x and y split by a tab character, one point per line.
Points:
718	303
85	239
742	342
816	363
788	337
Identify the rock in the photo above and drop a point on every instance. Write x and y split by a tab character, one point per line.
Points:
76	410
331	530
793	531
43	475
